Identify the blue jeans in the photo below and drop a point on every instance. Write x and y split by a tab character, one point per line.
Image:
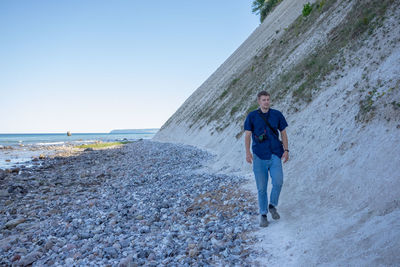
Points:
261	169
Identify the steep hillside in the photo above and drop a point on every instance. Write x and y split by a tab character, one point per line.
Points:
294	58
335	74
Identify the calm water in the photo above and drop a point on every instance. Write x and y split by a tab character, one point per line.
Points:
59	139
26	146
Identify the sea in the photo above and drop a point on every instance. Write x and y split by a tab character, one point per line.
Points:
19	149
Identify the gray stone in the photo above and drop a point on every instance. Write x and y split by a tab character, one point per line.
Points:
69	261
143	254
133	205
3	174
193	252
4	193
85	235
127	262
111	252
30	258
49	245
125	243
144	229
12	223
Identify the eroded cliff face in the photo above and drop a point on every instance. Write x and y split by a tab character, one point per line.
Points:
298	59
335	75
193	112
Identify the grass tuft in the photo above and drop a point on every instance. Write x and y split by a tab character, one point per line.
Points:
103	145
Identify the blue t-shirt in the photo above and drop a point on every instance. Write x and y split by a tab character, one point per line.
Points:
257	126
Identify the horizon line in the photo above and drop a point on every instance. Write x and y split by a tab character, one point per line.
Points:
65	132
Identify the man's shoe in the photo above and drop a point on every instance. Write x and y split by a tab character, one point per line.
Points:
263	221
274	212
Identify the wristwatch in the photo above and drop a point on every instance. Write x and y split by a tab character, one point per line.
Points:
287	150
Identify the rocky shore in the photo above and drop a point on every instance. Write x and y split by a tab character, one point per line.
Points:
145	203
12	157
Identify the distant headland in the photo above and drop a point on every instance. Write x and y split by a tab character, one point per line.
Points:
127	131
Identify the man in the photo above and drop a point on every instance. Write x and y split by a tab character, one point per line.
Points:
261	126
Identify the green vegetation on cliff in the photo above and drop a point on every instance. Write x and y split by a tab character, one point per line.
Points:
302	80
264	7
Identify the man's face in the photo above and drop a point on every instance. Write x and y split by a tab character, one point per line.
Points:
263	101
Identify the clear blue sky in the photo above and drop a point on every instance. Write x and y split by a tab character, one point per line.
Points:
94	66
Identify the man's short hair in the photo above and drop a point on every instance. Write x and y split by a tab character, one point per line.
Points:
265	93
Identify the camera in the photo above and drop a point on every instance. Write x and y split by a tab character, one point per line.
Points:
262	137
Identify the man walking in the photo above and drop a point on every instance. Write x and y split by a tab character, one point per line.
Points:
261	126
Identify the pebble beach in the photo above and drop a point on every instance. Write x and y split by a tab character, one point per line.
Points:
143	203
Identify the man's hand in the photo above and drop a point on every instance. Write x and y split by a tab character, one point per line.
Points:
247	142
249	157
285	157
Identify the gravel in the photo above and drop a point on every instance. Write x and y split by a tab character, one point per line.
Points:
145	203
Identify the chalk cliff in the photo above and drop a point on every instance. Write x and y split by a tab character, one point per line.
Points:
335	75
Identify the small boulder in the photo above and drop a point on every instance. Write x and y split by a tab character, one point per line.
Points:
3	174
17	189
126	262
11	224
111	252
69	261
30	258
7	243
4	193
49	245
193	252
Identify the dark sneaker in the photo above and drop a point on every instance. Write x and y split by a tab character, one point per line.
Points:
263	221
274	213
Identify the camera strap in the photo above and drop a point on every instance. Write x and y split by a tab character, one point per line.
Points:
269	125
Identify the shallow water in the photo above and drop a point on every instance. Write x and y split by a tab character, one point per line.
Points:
61	138
19	149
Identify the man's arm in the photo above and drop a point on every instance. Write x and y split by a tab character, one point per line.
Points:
247	142
285	155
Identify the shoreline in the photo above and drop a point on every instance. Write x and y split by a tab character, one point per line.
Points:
27	156
143	202
18	150
30	156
